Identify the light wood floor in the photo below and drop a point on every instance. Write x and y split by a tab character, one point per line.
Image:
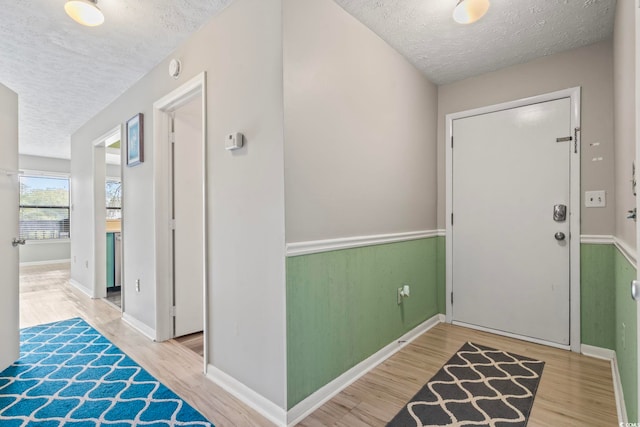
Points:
46	296
575	390
194	342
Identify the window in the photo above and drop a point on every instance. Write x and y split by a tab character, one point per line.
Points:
44	207
113	194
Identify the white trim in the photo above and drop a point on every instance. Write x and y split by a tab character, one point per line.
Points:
610	355
262	405
327	392
597	352
597	239
196	86
628	252
574	300
51	261
441	232
621	407
145	330
79	286
317	246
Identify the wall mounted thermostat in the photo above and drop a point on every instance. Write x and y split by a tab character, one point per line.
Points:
234	141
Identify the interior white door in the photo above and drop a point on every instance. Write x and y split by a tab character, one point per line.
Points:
9	303
188	210
510	271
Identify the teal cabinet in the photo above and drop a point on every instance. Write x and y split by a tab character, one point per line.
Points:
111	260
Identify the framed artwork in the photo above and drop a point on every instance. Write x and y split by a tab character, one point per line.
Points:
135	140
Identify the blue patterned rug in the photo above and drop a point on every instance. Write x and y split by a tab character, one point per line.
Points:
68	374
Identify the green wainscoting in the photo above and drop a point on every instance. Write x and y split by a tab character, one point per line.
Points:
608	313
341	307
626	336
597	295
441	271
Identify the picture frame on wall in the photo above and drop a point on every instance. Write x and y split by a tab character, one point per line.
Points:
135	140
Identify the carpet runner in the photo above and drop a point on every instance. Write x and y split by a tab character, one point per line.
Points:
478	386
69	374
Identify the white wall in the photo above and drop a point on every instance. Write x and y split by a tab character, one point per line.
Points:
241	50
624	83
589	67
360	130
53	250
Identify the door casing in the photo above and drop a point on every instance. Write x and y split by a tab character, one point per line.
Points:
162	192
574	221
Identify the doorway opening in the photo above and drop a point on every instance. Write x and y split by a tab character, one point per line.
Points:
181	233
107	175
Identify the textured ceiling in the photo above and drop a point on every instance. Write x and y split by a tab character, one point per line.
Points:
65	73
512	32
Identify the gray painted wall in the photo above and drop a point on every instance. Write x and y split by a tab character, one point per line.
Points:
624	66
360	130
55	250
589	67
241	50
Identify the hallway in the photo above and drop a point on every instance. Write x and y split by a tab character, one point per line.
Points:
575	389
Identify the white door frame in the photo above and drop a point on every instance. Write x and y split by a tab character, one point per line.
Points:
99	213
637	75
162	190
574	224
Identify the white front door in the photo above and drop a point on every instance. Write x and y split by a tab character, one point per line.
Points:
9	302
511	264
188	211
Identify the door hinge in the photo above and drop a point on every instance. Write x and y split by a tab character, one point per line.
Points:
451	218
451	141
575	139
172	311
172	224
172	137
451	298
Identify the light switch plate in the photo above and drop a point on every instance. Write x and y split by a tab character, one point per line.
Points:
595	199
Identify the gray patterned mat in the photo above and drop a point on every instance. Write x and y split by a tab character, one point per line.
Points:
478	386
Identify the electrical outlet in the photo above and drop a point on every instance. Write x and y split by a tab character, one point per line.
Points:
138	285
595	199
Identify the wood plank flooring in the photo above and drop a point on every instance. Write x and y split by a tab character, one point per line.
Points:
46	296
575	390
194	342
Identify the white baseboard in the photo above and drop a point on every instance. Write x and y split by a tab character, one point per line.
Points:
79	286
324	394
139	326
610	355
264	406
621	407
597	352
51	261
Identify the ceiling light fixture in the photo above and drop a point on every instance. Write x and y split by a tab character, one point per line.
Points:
85	12
469	11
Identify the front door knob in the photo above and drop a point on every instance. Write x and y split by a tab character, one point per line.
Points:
559	235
